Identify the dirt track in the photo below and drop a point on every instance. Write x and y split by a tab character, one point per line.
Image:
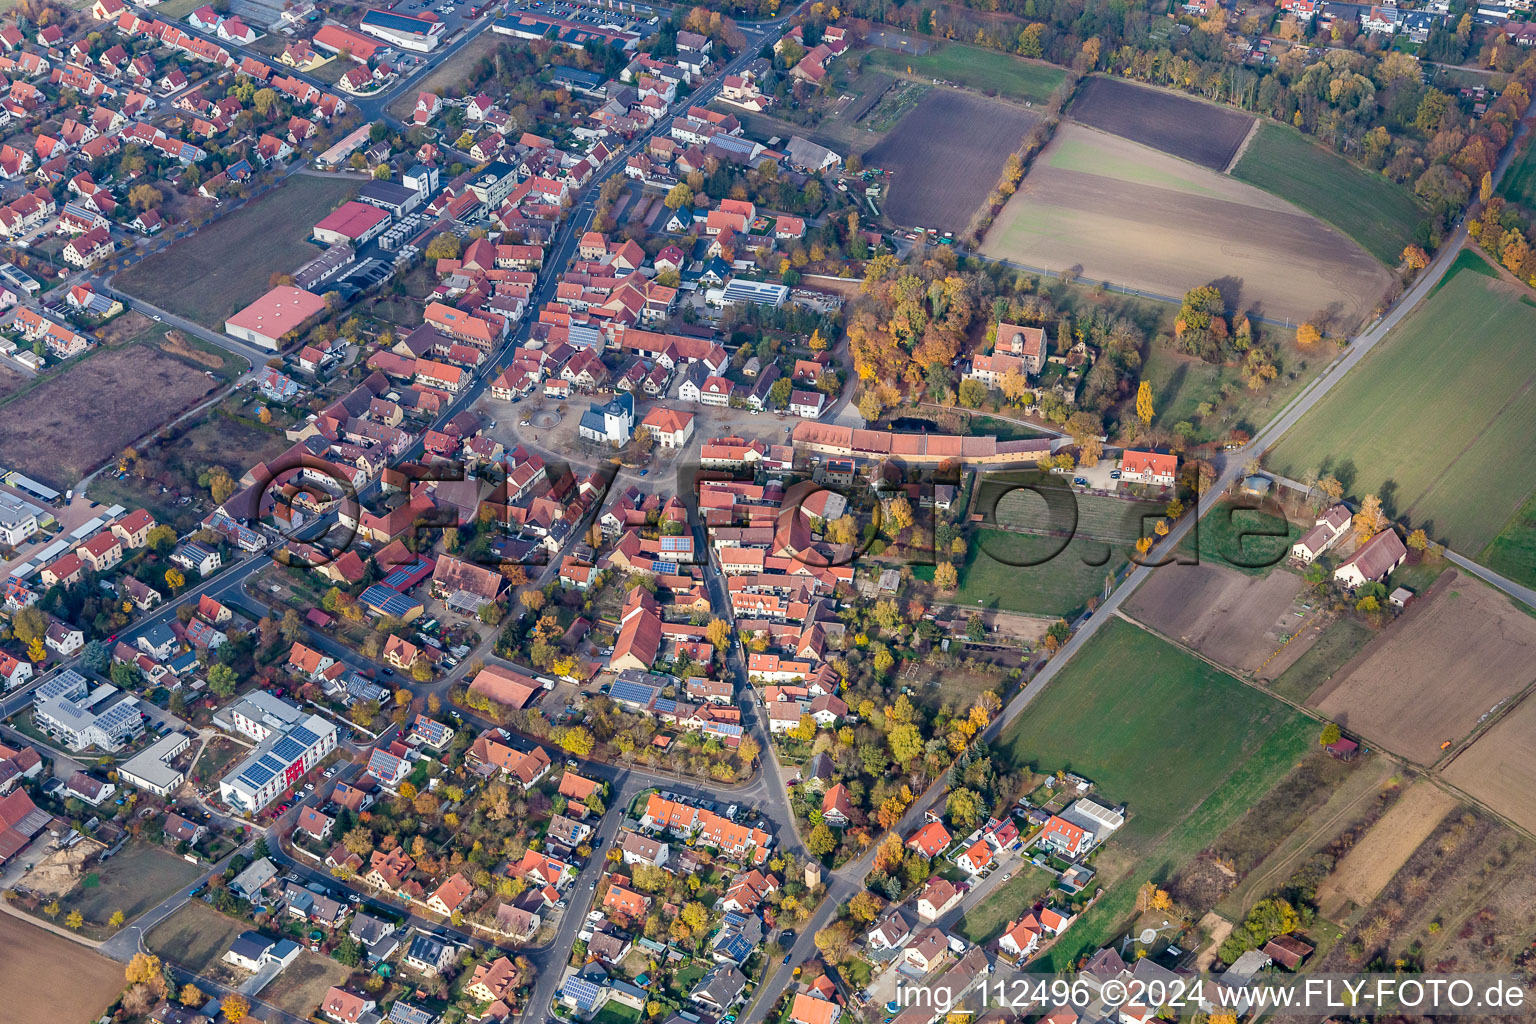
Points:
1226	615
1414	688
1135	217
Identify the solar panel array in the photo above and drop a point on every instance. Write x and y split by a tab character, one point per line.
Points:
632	692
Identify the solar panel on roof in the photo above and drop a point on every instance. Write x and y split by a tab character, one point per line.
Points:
633	693
677	543
303	735
665	705
257	775
289	749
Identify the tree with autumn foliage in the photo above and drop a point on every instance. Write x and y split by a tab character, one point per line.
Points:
1370	520
1415	258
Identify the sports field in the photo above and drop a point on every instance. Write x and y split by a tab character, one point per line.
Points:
1376	212
975	68
1125	703
1429	420
224	266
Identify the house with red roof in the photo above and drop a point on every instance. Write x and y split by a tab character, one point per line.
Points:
1147	467
672	428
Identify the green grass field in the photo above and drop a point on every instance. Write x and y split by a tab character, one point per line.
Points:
976	68
1244	539
1367	207
1060	585
1249	780
987	919
223	267
137	878
1129	702
1341	640
1519	182
1513	552
1429	419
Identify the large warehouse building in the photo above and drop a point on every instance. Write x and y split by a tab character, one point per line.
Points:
352	223
283	309
420	33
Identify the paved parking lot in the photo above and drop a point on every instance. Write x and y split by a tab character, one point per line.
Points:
455	14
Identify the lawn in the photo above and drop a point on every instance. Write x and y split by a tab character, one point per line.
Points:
1129	703
1004	430
1244	539
1060	585
1428	420
1519	183
1241	789
975	68
613	1012
1375	212
137	878
1513	552
985	921
209	275
1341	640
194	937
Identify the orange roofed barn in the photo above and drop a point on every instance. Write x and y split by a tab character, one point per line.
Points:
265	321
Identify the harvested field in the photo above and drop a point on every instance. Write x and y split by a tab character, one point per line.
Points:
1420	663
1127	214
946	155
1372	862
101	404
1229	617
46	977
207	276
303	983
10	380
1498	768
1190	129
